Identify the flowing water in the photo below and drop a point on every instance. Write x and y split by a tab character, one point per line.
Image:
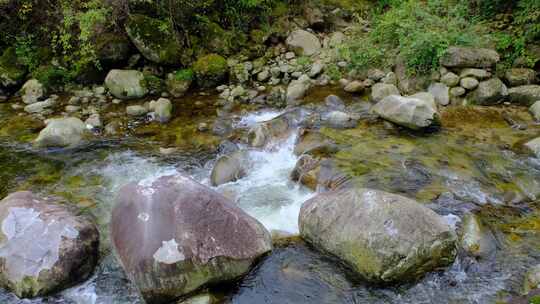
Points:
468	166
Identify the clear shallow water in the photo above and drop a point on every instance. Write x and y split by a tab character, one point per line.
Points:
464	173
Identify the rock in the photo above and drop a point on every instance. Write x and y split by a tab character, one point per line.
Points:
177	85
175	236
476	73
427	97
407	83
334	102
41	106
113	128
61	132
463	57
340	120
409	112
524	95
136	110
354	87
311	141
205	298
532	279
32	91
268	131
93	121
450	79
290	55
382	236
469	83
303	43
156	39
381	90
306	171
489	92
535	110
440	92
162	109
475	240
457	92
314	17
263	75
520	76
316	69
297	89
375	74
46	246
126	84
210	70
534	146
229	168
336	39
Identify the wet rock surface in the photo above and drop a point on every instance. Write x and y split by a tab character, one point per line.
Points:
45	247
174	236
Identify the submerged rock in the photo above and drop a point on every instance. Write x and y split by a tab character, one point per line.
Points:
126	84
45	247
303	43
489	92
383	237
229	168
524	95
61	132
475	239
464	57
409	112
174	236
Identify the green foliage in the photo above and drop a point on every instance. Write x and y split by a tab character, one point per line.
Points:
212	64
153	83
184	75
418	31
52	77
27	52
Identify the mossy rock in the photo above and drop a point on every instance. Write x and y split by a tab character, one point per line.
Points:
12	71
155	39
112	48
210	70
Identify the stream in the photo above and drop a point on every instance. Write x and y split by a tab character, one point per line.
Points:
465	167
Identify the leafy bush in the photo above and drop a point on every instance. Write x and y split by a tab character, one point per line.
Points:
52	77
184	75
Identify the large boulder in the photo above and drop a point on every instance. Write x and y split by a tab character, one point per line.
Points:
155	39
174	236
520	76
210	70
464	57
440	92
297	89
524	95
413	113
61	132
126	84
382	236
381	90
32	91
45	246
303	43
229	168
489	92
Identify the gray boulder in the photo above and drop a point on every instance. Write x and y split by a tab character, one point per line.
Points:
303	43
441	92
126	84
61	132
524	95
409	112
45	246
297	89
489	92
457	92
534	146
174	236
381	90
464	57
266	132
450	79
40	106
476	73
383	237
136	110
469	83
340	120
520	76
162	109
354	87
535	110
32	91
427	97
229	168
